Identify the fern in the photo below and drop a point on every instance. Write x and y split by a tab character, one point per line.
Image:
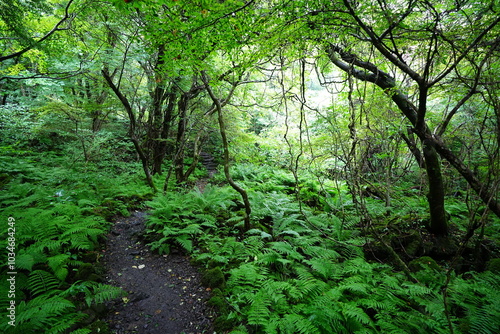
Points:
44	312
81	331
65	322
185	242
353	311
322	267
295	323
58	264
246	275
258	313
300	271
480	299
41	281
24	260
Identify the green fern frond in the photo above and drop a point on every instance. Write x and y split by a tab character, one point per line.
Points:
81	331
40	281
41	313
185	242
482	322
376	304
246	274
325	268
102	293
65	322
311	288
321	252
206	220
239	330
52	245
58	261
351	310
295	323
415	290
191	229
253	245
304	273
326	318
284	247
24	260
258	312
263	235
356	285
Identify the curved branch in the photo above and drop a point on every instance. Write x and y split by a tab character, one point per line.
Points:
377	42
373	75
388	84
473	45
241	191
132	127
67	16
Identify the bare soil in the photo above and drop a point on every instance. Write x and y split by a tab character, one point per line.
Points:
164	292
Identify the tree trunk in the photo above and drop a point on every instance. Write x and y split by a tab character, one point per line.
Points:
182	125
383	80
132	127
412	146
181	131
155	122
435	197
222	129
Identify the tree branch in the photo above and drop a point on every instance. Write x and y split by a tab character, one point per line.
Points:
388	84
241	191
464	53
67	16
377	42
373	75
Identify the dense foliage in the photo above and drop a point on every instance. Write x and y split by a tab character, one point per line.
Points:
357	145
303	270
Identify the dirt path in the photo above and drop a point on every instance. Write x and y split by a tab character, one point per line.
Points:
164	292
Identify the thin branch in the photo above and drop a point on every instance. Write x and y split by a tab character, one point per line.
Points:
470	93
474	44
67	16
241	191
377	42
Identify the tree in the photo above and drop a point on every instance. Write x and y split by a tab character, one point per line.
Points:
13	14
419	50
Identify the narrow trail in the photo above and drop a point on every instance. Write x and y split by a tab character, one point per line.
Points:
208	161
164	292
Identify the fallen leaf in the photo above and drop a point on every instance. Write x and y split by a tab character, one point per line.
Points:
141	266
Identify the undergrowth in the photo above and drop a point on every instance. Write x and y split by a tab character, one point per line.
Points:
60	210
302	270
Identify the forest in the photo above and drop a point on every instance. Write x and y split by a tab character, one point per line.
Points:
327	166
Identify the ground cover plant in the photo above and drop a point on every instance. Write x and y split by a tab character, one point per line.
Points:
62	212
305	271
